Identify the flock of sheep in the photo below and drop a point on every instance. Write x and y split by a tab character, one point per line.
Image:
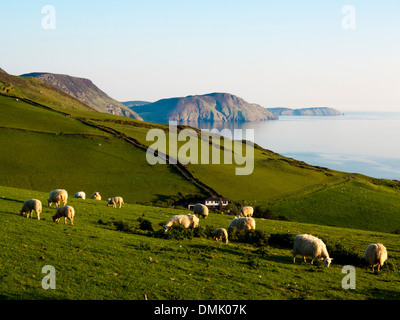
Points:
58	197
305	245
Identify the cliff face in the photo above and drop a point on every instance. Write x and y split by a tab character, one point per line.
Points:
87	92
218	107
305	112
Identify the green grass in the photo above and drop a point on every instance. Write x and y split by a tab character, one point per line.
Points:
355	202
85	163
95	261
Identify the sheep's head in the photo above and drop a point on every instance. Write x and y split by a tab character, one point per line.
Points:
327	262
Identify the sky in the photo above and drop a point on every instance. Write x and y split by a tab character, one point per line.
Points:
276	53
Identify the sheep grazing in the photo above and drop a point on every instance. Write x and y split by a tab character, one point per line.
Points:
31	205
67	212
220	234
115	201
245	212
58	196
201	210
80	195
187	221
95	196
243	223
309	246
375	255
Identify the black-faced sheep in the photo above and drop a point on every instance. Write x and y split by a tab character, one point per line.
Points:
187	221
31	205
95	196
67	212
243	223
115	201
309	246
220	234
80	195
245	212
201	210
375	255
58	196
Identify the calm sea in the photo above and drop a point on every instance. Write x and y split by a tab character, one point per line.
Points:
367	143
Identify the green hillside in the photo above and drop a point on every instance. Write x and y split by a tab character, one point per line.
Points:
56	142
93	260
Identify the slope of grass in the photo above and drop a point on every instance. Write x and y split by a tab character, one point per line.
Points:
95	261
85	163
355	202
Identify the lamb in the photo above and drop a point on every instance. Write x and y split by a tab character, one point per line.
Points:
375	255
95	196
220	234
245	212
66	212
114	201
58	196
243	223
31	205
309	246
187	221
201	210
80	195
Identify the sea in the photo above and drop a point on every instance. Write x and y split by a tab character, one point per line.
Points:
354	142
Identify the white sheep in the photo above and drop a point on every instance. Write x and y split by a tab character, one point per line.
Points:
58	196
95	196
243	223
80	195
66	212
309	246
220	234
201	210
375	255
187	221
115	201
31	205
245	212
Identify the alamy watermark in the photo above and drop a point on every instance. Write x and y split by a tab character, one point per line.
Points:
236	148
349	281
49	280
349	17
49	20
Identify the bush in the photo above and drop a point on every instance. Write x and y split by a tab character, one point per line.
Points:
268	214
344	256
255	237
282	240
145	224
123	226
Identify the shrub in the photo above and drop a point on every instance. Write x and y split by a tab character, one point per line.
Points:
255	237
145	224
344	256
268	214
123	226
282	240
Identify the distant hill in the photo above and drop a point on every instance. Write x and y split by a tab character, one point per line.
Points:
41	92
85	91
218	107
305	112
137	103
2	71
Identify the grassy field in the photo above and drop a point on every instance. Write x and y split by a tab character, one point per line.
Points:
93	260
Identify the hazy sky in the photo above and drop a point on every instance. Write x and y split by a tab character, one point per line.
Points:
275	53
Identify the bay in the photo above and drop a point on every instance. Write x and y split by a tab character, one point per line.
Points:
355	142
